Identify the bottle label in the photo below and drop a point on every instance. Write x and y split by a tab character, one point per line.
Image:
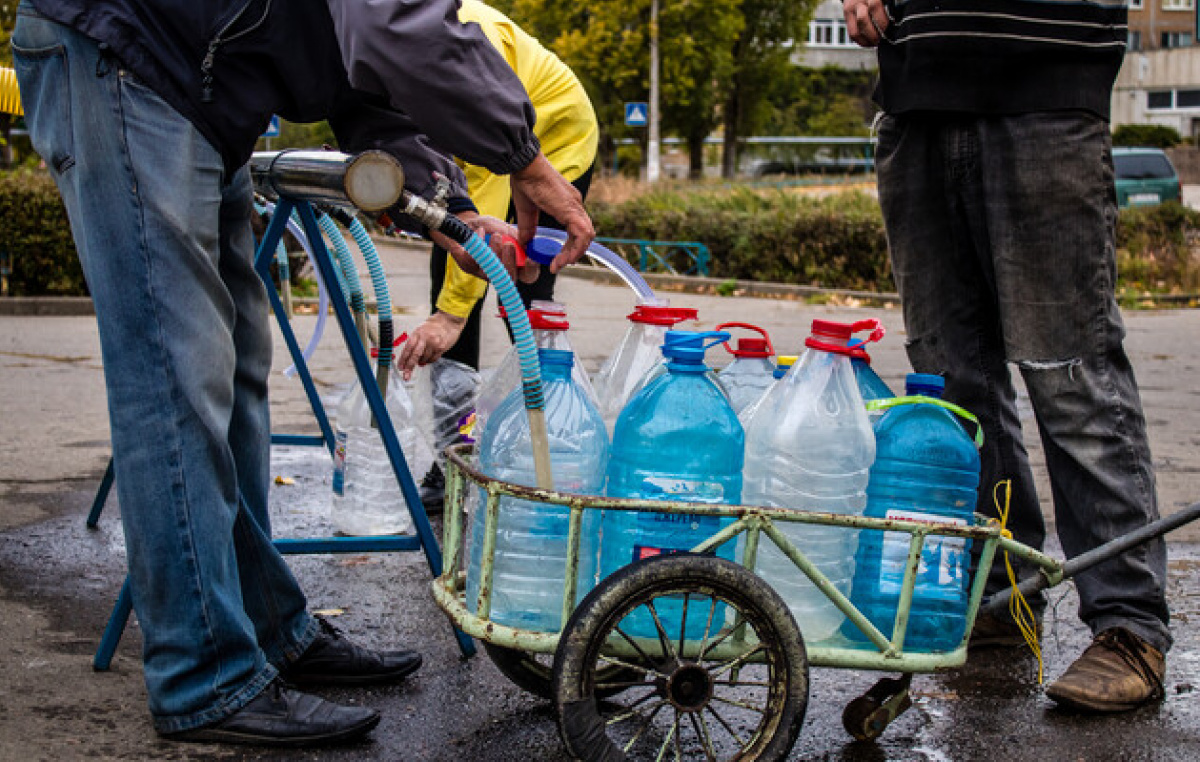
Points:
943	561
697	491
645	551
339	464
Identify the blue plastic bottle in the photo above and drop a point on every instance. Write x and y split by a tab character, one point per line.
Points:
870	385
926	469
677	439
531	538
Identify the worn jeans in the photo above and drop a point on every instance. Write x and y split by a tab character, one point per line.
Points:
1001	232
166	247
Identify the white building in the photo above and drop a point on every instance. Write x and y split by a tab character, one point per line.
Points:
1159	87
829	42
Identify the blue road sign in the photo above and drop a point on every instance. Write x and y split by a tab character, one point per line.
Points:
272	128
637	114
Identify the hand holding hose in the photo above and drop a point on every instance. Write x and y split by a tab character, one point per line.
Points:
539	186
498	231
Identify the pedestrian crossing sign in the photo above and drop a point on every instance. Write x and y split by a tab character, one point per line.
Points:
636	114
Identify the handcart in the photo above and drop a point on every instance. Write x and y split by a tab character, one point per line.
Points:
736	688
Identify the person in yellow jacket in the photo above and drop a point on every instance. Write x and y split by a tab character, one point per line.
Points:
566	126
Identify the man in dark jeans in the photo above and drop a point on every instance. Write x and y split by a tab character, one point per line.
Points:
996	184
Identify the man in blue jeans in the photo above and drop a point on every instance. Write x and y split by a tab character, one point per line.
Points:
145	112
996	183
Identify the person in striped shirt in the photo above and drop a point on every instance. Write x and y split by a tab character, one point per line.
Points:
996	184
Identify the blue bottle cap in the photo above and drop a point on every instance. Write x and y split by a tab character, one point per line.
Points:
543	250
925	384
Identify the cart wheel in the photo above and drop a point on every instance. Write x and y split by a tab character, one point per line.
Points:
735	688
867	716
534	672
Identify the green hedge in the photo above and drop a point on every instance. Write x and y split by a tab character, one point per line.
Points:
1158	249
36	237
778	235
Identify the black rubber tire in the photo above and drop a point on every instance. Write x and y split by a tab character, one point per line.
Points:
534	676
581	725
856	719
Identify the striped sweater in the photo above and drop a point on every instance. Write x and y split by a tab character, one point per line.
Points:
1001	56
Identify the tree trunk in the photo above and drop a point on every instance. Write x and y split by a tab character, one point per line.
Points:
696	156
730	147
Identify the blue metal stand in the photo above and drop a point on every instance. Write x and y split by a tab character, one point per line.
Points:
424	538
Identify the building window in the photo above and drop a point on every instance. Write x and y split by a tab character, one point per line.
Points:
829	33
1135	5
1187	99
1135	40
1160	100
1176	39
1178	5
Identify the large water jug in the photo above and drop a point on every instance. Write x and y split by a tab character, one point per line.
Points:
366	495
550	325
678	439
639	351
783	363
926	469
751	373
531	538
809	446
870	385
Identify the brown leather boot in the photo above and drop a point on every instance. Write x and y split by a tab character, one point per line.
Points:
1119	671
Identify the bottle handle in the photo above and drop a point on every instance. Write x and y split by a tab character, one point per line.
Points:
916	399
872	324
748	326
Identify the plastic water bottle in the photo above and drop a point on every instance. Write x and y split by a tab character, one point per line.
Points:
549	323
678	439
783	364
624	371
531	539
926	469
870	385
809	446
366	496
751	373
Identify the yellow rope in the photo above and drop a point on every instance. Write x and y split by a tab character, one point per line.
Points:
1018	607
10	97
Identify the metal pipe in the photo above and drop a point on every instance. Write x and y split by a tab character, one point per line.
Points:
371	180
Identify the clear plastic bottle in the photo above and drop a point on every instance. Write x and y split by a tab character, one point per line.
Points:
926	469
549	323
531	539
624	371
366	495
809	446
783	363
751	373
678	439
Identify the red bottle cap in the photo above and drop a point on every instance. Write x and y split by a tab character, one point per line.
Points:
829	336
667	316
758	346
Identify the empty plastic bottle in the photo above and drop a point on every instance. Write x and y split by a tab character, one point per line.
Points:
531	538
366	496
624	371
809	446
783	364
926	469
751	373
550	325
678	439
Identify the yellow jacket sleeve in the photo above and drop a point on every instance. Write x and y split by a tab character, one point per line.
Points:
566	126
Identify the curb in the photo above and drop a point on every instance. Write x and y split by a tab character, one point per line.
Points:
46	305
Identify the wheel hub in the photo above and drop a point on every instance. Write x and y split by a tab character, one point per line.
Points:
689	688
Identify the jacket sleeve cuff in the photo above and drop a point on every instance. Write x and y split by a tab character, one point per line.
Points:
520	159
458	204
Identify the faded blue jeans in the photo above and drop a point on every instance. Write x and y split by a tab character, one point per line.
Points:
165	242
1001	232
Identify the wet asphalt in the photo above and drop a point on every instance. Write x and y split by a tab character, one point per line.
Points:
58	579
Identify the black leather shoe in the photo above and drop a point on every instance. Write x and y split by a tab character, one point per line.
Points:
280	716
334	660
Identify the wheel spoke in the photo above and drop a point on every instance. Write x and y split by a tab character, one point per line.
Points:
663	639
633	643
683	621
740	626
742	683
741	704
624	685
712	610
633	712
720	669
678	733
702	733
725	725
645	724
666	743
629	665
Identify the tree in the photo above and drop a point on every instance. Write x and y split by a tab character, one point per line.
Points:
606	43
761	54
